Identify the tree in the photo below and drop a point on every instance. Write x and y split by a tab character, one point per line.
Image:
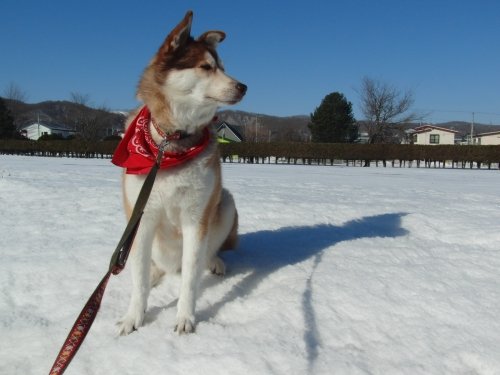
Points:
384	106
79	98
14	92
89	123
333	121
7	127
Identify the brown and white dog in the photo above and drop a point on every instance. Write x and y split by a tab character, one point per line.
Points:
189	216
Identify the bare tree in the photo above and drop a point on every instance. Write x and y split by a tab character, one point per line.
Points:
384	107
90	123
14	92
79	98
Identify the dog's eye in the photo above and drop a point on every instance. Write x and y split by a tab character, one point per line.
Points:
206	67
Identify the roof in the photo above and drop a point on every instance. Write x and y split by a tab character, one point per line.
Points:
232	128
50	125
428	128
487	134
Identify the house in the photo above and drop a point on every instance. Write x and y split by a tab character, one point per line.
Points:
229	133
485	139
363	138
432	135
36	129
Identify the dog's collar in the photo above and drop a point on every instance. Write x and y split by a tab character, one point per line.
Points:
171	136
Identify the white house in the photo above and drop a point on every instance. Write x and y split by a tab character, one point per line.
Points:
485	139
36	129
432	135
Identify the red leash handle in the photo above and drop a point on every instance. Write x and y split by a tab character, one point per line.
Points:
80	328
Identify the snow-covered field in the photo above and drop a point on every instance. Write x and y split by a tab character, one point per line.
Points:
340	271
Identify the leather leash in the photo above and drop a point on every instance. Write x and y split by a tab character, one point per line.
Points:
117	263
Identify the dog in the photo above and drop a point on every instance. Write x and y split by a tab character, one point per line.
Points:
189	216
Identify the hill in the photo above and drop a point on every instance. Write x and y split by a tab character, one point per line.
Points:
256	126
91	123
264	128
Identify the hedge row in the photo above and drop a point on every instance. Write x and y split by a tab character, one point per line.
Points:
330	153
291	153
63	148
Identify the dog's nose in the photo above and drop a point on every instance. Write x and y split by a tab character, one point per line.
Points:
241	88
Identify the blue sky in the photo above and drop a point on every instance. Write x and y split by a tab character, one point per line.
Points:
289	53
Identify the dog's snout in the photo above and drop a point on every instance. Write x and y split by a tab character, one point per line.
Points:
242	88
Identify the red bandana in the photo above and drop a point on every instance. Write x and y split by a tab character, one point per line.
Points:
137	150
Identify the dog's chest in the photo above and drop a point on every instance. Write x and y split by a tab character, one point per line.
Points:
188	187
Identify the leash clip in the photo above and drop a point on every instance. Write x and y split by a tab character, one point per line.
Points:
161	149
175	136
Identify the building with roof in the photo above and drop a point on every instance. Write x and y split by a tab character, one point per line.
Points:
37	129
432	135
486	139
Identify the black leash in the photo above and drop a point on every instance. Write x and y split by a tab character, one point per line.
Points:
117	264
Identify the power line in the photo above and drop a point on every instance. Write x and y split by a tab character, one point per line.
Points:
459	111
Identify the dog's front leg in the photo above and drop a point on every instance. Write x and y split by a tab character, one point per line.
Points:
193	260
140	262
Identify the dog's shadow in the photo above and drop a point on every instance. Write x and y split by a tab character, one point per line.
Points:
264	252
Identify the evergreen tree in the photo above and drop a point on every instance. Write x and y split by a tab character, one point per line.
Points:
333	121
7	127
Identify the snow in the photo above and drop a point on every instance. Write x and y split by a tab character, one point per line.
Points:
341	270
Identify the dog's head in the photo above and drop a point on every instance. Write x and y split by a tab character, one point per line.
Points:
185	82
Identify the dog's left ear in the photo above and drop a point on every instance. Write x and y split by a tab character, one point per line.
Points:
212	38
178	36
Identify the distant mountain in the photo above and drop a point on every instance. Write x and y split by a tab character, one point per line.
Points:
268	128
295	127
90	123
260	127
59	112
465	127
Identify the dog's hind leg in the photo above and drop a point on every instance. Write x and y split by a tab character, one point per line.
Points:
156	274
223	232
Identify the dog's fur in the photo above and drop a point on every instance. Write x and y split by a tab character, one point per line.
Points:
189	216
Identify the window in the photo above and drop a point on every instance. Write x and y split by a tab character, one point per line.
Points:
434	139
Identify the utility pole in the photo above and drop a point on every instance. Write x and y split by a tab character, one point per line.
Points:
256	128
472	130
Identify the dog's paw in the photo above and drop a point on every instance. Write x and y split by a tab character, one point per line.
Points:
184	325
129	324
217	266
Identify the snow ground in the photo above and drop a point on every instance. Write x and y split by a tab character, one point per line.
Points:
340	271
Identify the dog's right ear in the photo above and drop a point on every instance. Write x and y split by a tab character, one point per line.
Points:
178	36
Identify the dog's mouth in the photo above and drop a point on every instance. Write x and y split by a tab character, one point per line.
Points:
225	101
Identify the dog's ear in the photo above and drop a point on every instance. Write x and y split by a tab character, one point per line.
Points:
212	38
178	36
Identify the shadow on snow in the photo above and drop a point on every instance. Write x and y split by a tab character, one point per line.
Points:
264	252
